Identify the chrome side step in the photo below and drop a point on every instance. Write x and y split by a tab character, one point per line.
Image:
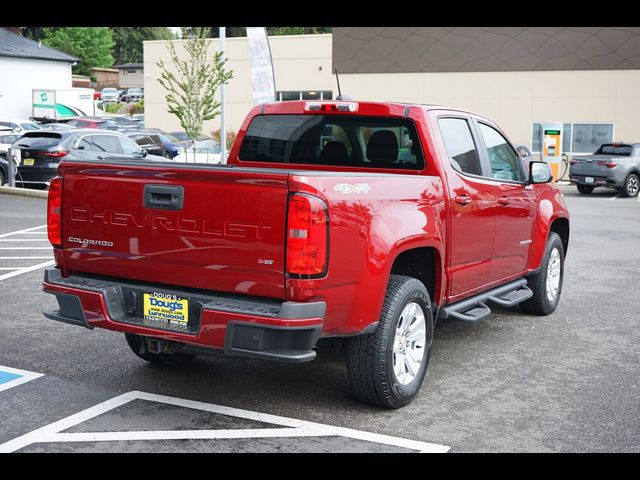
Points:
475	308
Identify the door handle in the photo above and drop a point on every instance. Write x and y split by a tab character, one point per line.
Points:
164	197
463	199
99	157
504	201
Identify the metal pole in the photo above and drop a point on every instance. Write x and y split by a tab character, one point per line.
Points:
12	173
223	130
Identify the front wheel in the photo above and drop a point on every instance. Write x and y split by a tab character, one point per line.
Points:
387	368
547	283
631	186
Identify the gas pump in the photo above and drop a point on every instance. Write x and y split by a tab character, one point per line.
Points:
552	146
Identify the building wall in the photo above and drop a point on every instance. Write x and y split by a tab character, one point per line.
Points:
484	49
300	63
20	76
515	100
105	78
130	80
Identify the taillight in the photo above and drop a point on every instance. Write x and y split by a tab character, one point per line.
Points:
611	164
56	154
574	162
54	212
307	236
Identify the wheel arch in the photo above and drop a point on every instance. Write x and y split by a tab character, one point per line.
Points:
423	263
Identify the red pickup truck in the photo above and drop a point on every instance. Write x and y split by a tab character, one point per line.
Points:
361	220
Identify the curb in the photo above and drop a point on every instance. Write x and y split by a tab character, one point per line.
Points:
25	192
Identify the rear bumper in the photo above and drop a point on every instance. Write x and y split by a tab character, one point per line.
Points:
596	181
243	326
41	175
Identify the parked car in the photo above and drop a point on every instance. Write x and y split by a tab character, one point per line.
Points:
7	137
41	152
316	229
89	122
20	126
109	95
58	126
206	151
183	137
132	95
613	165
121	122
149	141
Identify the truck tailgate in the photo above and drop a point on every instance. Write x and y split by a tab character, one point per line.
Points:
228	234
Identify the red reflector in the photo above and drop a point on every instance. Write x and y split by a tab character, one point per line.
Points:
54	212
57	153
307	239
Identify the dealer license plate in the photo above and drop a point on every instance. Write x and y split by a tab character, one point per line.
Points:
167	308
588	179
28	161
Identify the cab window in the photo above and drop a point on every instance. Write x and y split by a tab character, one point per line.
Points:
504	161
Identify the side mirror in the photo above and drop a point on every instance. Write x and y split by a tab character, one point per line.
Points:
16	129
539	172
144	152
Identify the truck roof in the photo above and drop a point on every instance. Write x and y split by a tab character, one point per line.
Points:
364	107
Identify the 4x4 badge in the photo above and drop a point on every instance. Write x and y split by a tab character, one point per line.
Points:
348	188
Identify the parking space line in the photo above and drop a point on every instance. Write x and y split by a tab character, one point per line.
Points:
24	239
12	268
25	230
27	270
26	258
16	377
25	248
292	427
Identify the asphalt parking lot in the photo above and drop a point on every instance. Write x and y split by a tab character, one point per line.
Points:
564	383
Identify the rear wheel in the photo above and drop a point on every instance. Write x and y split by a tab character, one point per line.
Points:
631	186
387	368
139	347
2	179
547	283
585	189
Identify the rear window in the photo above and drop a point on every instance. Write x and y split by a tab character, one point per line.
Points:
621	150
38	140
352	141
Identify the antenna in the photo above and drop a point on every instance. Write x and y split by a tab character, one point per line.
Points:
335	70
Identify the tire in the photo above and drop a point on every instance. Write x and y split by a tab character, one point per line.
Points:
371	372
586	189
170	359
631	185
545	300
2	179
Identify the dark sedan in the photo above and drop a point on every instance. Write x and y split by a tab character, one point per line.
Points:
42	151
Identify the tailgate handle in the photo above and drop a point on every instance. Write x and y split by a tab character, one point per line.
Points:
163	197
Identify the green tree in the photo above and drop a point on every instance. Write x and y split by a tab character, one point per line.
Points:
92	45
214	32
128	41
193	81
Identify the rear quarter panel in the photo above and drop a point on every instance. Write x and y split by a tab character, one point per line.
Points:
367	232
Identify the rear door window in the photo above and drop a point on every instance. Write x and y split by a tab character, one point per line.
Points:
340	140
105	143
460	146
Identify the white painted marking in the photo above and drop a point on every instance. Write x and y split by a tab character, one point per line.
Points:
19	232
11	268
25	258
297	428
26	248
27	376
24	239
613	198
27	270
30	233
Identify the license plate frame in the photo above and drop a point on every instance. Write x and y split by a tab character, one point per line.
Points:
166	308
29	162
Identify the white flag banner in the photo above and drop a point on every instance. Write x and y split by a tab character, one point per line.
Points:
263	82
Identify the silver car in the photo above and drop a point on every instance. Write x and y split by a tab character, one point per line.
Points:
614	165
109	95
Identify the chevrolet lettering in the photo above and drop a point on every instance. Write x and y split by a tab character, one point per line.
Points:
362	223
